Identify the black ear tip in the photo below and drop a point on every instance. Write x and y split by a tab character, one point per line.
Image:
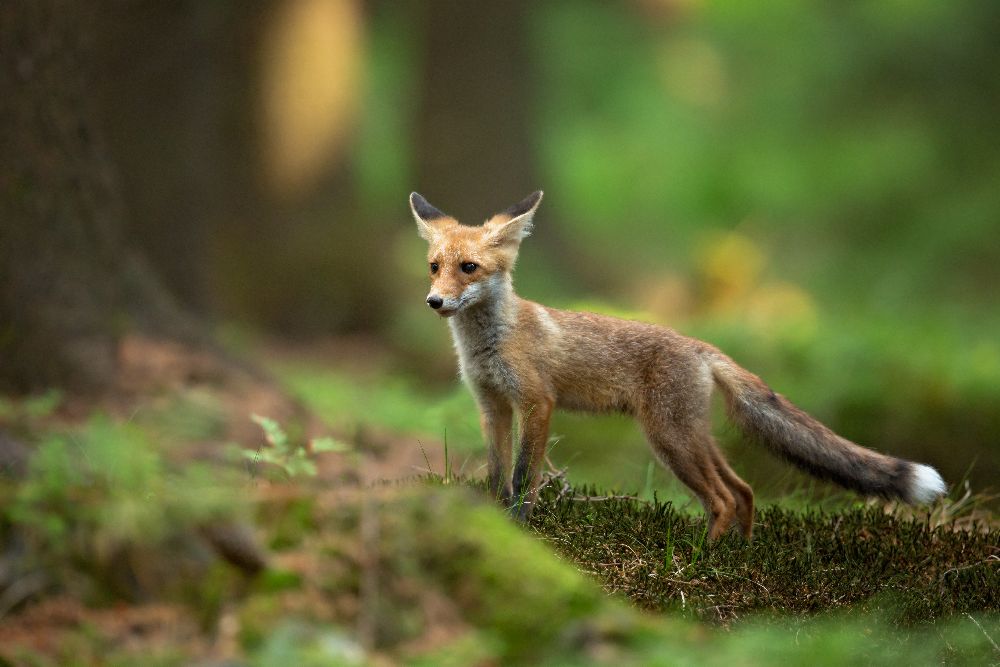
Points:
531	201
423	208
525	205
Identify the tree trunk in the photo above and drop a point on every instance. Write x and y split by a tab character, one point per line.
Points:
59	212
175	100
475	152
67	279
474	149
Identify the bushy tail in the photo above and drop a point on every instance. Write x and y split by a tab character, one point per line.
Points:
801	440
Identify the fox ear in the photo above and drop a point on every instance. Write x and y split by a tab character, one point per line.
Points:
515	222
424	214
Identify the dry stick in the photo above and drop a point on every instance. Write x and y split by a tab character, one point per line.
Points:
992	558
598	499
981	629
560	474
427	461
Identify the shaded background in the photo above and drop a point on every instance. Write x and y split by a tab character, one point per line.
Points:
811	186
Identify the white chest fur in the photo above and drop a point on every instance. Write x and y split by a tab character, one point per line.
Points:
478	334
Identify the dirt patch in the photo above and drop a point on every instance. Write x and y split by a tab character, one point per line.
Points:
150	368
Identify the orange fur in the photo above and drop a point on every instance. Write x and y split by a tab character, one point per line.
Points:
519	356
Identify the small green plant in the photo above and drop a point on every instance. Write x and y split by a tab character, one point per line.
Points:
668	549
295	460
697	547
447	460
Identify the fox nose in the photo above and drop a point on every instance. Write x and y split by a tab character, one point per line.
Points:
435	302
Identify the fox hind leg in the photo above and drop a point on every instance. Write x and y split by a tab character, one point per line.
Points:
741	491
690	452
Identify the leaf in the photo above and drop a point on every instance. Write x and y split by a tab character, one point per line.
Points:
299	465
272	431
326	444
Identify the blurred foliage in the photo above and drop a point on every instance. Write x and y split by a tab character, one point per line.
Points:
100	512
107	483
385	401
432	573
856	140
282	454
857	145
809	186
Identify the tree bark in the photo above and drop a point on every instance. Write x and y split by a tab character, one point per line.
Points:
69	285
59	211
474	152
176	97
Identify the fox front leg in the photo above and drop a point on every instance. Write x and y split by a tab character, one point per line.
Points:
496	417
534	426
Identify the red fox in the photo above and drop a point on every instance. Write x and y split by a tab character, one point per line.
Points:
517	355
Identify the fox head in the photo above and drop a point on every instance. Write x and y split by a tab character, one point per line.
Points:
471	265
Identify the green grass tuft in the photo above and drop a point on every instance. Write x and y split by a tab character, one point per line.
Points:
799	562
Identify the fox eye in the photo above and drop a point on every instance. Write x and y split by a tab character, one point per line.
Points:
434	267
469	267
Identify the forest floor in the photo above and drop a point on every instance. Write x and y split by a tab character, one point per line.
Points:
161	524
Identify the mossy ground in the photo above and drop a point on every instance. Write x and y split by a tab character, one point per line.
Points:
429	573
799	561
107	556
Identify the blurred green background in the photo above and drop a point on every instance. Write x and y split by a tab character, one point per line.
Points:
812	186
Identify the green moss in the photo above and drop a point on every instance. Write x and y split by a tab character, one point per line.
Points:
387	566
506	581
102	513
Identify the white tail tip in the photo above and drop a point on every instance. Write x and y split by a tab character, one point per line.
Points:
926	484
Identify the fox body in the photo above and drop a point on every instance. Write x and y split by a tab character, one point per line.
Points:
522	358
